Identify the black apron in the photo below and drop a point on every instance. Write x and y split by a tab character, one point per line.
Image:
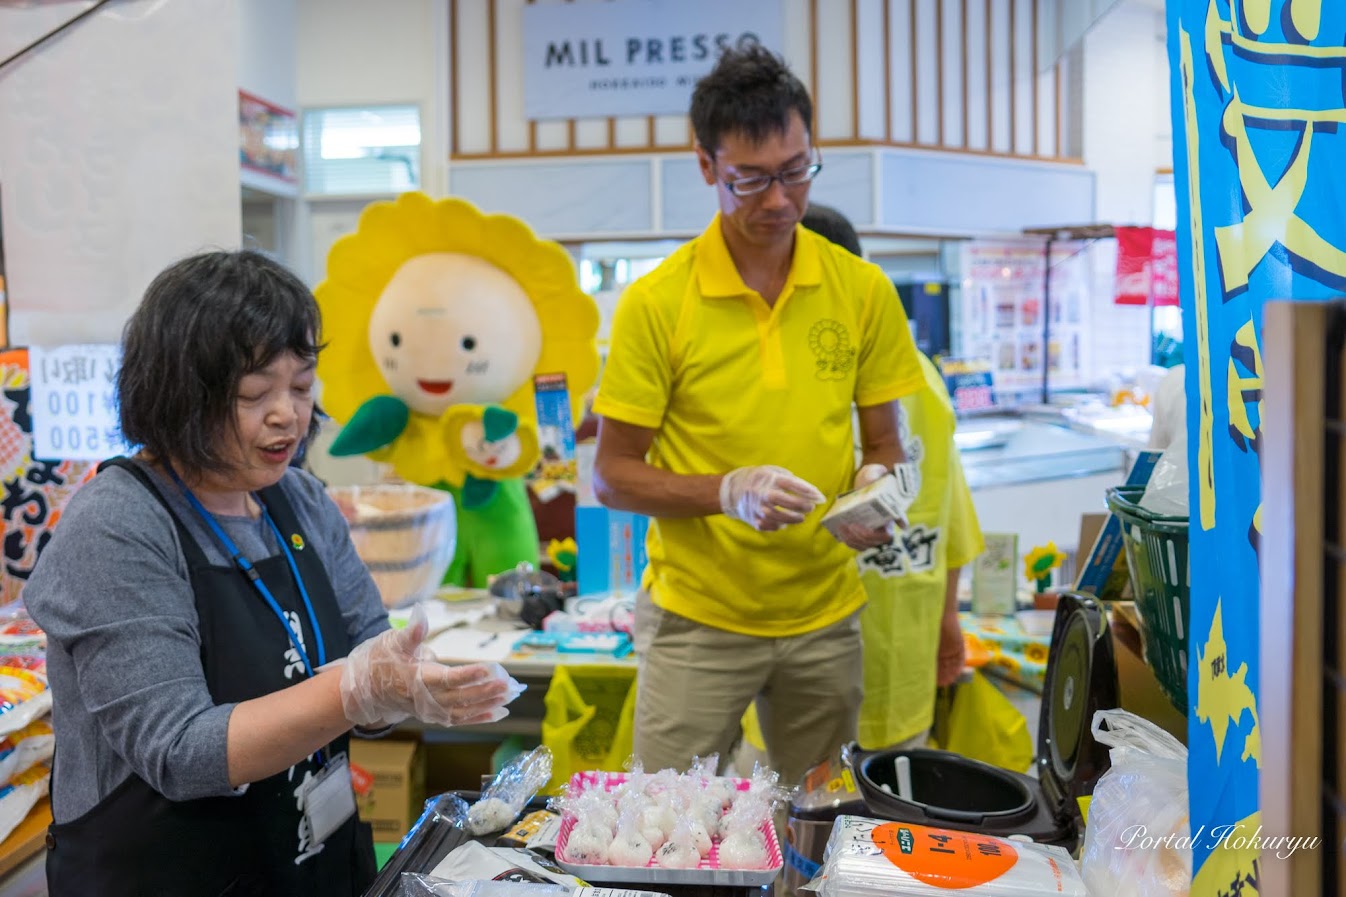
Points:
138	843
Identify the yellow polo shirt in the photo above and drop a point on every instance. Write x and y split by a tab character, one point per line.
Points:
727	381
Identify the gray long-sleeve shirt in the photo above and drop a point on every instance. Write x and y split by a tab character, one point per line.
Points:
113	594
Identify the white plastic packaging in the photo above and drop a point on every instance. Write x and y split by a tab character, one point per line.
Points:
872	857
1137	842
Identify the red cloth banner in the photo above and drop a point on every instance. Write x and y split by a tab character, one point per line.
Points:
1164	268
1147	266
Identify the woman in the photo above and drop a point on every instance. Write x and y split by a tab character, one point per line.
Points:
192	596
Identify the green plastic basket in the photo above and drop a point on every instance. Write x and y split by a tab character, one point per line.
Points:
1156	553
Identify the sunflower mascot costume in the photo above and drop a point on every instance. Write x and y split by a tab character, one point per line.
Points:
437	318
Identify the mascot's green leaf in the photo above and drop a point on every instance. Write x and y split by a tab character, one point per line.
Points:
477	492
498	422
376	423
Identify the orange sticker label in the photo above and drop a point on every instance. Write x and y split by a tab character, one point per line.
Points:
944	859
361	780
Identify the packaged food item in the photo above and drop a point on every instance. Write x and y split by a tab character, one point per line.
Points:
429	886
19	797
18	632
512	788
23	698
474	861
440	829
20	751
876	505
532	831
665	828
896	859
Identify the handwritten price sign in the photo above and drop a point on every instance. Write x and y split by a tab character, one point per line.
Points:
74	403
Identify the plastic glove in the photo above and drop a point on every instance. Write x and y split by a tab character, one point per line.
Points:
862	537
767	498
394	676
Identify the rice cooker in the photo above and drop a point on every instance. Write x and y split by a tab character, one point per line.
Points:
955	792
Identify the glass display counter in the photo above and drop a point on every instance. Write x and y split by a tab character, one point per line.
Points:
1038	477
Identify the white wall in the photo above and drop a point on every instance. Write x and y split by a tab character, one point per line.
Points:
1127	131
1127	139
357	53
118	155
267	62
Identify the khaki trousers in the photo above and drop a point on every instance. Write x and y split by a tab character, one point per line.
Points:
695	682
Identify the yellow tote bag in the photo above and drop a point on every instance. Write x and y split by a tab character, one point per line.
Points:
982	724
589	722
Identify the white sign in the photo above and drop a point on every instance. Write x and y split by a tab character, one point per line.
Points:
632	57
74	403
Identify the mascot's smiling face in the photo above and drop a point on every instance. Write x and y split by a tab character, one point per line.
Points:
451	329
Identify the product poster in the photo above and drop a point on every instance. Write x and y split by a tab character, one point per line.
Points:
35	492
1257	105
1003	307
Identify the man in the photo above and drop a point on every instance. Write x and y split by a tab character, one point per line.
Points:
726	411
910	629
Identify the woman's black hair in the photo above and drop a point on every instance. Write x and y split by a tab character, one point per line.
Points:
828	222
752	91
205	323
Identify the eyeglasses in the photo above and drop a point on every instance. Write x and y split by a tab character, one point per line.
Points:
790	177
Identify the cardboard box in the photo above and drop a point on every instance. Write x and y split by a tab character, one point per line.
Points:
1139	690
389	779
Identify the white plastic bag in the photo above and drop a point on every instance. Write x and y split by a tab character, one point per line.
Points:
1166	493
1138	841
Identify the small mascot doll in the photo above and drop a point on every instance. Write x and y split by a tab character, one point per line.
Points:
437	318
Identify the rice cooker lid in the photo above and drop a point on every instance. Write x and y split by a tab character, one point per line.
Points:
1080	657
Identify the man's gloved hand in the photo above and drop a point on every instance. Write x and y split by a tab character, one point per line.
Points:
767	498
862	537
394	676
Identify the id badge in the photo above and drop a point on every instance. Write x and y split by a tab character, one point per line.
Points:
329	800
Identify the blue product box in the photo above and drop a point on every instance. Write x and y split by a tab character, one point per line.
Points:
611	550
1095	572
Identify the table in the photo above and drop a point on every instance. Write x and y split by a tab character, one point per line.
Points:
1009	648
465	630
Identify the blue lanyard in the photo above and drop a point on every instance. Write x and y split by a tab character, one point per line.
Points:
241	561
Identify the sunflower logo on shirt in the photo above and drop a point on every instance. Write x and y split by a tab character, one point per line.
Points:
830	343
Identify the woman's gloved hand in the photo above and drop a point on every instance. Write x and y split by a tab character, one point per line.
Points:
767	498
859	537
394	676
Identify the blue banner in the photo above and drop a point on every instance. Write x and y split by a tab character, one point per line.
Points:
1258	104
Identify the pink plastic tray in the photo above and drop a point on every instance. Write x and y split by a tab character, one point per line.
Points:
708	873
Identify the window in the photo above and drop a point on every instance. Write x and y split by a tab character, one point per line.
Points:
374	149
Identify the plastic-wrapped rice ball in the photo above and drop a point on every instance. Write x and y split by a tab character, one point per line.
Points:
489	815
678	855
587	846
700	837
630	847
680	851
744	849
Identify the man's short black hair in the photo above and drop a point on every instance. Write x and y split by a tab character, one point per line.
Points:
828	222
205	323
752	91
